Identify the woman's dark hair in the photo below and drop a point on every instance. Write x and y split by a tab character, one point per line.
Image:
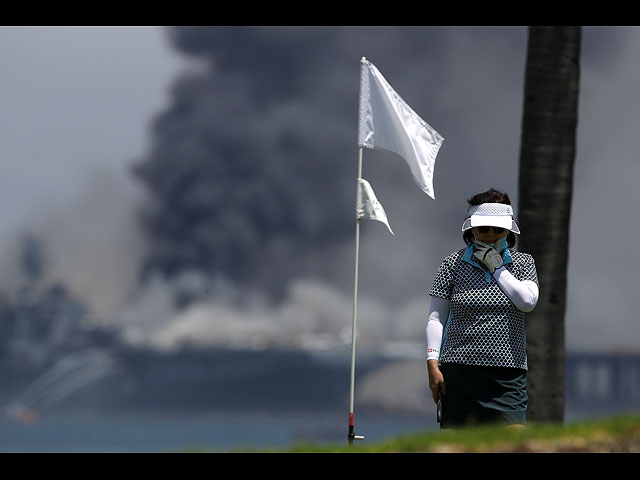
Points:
490	196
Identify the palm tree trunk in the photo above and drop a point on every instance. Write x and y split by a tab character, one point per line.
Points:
545	190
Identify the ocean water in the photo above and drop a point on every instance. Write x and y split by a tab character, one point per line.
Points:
218	432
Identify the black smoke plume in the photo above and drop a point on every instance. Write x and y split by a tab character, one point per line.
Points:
252	167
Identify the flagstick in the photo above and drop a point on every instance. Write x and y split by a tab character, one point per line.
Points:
352	435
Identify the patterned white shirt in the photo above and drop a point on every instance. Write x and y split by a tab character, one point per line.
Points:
484	327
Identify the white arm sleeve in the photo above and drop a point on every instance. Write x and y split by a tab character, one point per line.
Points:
438	312
523	294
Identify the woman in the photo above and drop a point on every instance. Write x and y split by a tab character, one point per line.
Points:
476	347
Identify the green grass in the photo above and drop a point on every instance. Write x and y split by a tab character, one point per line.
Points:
617	434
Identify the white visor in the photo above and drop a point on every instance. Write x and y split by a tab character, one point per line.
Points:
491	214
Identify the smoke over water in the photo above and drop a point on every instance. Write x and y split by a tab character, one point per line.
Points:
236	226
251	183
250	177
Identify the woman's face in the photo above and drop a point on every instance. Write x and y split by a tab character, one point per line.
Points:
489	237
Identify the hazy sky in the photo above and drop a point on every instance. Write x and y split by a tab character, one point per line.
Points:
74	101
76	105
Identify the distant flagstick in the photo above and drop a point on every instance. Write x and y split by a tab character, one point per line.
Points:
386	122
367	206
352	436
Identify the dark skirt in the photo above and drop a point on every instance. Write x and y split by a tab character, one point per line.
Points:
480	395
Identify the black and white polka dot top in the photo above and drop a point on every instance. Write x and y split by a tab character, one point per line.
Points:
484	327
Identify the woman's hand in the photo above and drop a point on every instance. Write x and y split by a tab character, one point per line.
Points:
488	255
435	379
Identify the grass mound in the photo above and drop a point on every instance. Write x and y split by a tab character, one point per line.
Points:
619	434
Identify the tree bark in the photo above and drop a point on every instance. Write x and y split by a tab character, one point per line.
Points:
545	187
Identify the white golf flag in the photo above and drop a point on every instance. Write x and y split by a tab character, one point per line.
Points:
386	122
368	206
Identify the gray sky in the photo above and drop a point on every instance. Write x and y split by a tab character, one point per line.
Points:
76	105
74	101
